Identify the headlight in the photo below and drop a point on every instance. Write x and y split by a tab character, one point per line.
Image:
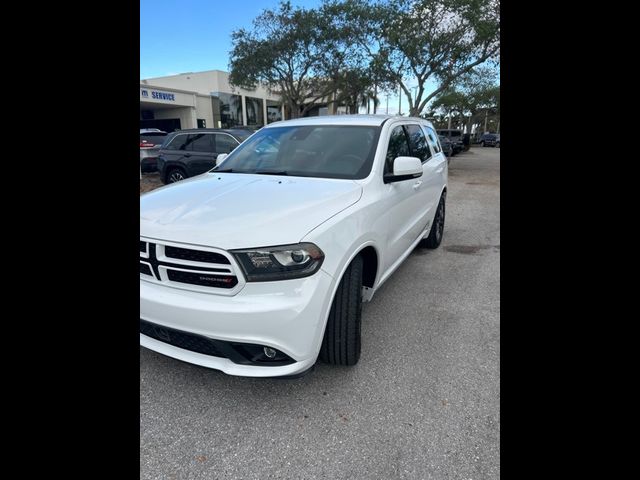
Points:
279	263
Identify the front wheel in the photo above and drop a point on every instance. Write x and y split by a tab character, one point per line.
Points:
176	175
341	342
436	233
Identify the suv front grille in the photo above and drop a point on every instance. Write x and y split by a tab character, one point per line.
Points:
191	268
195	255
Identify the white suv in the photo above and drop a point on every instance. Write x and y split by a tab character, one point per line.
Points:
261	265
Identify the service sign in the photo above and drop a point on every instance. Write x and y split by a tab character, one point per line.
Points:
157	95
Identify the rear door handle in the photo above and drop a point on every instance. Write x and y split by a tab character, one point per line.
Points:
417	184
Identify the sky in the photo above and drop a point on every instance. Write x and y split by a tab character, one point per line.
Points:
178	36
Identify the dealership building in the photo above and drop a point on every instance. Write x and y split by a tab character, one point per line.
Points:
204	100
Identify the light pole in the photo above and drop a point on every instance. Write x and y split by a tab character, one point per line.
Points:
399	99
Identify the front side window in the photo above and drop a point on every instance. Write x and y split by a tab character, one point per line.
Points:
177	143
398	147
418	143
325	151
225	144
200	142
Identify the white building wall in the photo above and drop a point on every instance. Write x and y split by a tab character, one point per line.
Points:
204	110
207	82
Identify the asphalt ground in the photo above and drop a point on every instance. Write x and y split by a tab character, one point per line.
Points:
422	403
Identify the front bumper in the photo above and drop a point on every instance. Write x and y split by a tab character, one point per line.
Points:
287	315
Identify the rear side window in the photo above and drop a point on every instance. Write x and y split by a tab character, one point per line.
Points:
177	143
418	143
433	140
225	144
398	147
156	139
200	142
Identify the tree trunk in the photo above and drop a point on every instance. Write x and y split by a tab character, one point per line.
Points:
375	98
449	126
486	118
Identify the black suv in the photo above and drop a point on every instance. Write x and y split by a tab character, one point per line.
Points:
456	138
490	139
187	153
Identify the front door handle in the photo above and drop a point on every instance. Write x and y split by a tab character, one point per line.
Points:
417	184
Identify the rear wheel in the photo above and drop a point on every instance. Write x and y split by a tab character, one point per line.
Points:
341	342
436	233
176	175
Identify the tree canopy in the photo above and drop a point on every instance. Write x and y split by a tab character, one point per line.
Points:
349	46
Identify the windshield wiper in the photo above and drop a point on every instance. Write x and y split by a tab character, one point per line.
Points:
271	172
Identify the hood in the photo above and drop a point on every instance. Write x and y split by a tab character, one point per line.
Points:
229	211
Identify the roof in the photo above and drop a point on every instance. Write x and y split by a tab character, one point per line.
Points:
211	130
355	119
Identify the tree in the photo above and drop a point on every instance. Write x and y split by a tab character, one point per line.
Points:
451	102
295	53
422	40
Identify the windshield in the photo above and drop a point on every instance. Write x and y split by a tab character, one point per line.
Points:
326	151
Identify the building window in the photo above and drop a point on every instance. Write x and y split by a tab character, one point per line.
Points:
227	110
274	111
255	117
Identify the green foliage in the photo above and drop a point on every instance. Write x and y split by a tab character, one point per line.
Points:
352	49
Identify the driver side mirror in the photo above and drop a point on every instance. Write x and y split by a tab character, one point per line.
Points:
404	168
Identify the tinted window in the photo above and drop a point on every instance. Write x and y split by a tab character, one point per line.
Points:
418	143
155	138
200	142
327	151
274	111
456	133
227	109
177	143
225	144
254	111
398	147
433	140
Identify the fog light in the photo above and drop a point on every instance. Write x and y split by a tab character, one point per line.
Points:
269	352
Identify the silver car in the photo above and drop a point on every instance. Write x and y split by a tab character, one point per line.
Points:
150	142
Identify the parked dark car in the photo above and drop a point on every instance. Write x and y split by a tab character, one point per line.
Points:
447	145
456	138
187	153
150	141
490	140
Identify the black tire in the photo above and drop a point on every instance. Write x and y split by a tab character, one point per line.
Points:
341	342
175	174
437	227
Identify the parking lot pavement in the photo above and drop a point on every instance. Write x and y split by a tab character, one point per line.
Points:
423	403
